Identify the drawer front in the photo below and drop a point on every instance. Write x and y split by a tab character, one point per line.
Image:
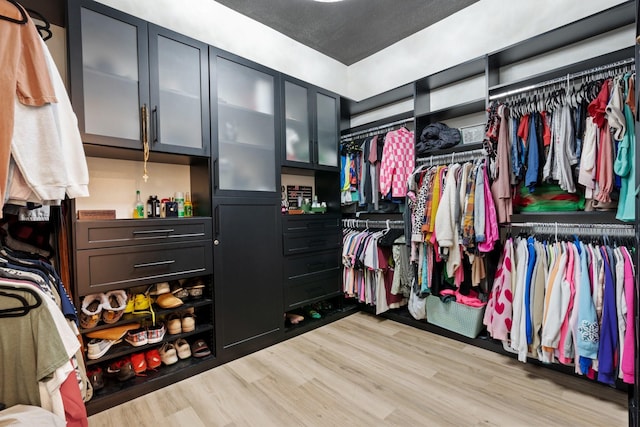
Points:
100	270
301	266
311	277
297	243
316	287
309	223
107	234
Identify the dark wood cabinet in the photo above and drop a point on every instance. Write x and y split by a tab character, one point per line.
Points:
245	127
311	126
132	82
247	271
312	258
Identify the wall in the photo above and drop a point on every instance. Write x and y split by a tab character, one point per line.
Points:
483	27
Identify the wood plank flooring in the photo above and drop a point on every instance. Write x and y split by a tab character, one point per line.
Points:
367	371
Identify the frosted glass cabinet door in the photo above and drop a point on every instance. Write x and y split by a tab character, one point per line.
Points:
179	75
246	128
296	110
111	81
327	122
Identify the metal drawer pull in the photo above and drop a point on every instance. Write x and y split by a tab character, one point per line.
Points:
154	264
168	230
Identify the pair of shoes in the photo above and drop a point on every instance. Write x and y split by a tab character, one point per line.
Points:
178	323
96	348
109	306
195	287
122	369
200	349
143	336
95	377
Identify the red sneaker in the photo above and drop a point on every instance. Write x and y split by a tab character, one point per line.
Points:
139	363
153	359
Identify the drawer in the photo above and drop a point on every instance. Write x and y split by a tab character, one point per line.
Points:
312	288
100	270
307	223
301	266
309	278
296	243
106	234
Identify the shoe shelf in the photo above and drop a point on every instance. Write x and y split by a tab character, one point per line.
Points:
113	389
124	348
159	312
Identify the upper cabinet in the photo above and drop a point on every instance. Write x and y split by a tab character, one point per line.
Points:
132	81
179	108
244	111
311	123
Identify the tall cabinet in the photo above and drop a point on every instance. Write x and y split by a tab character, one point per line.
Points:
142	92
246	203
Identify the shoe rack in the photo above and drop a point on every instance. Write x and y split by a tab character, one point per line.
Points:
104	371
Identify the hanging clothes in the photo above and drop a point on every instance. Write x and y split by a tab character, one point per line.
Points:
397	163
567	305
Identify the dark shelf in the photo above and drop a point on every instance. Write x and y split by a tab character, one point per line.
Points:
572	217
599	23
576	67
115	392
470	68
463	109
131	318
124	348
328	316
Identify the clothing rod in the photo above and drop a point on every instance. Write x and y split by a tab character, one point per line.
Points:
565	228
372	223
564	78
376	128
453	157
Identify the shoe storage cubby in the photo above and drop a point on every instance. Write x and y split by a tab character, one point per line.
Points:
163	332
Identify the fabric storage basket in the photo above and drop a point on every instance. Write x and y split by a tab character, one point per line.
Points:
456	317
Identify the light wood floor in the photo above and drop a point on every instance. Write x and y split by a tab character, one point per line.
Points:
366	371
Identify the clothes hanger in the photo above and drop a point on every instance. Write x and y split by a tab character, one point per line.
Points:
43	30
23	14
25	307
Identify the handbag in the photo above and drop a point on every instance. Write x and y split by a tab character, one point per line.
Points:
417	305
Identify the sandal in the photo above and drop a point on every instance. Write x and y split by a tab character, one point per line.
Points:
294	318
314	314
200	349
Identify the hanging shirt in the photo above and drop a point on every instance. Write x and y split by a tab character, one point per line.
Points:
501	187
398	161
24	75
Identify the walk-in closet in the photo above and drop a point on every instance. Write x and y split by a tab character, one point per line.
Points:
319	213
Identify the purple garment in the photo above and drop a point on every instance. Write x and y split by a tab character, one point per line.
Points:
607	368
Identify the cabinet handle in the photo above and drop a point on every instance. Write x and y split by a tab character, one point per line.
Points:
154	119
154	264
143	124
216	221
168	230
215	174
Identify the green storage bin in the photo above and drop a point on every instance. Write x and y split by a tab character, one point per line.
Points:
456	317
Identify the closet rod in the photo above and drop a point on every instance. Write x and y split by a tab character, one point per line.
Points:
376	128
366	223
564	78
621	230
460	156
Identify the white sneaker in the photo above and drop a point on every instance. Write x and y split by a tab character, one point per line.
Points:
98	348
